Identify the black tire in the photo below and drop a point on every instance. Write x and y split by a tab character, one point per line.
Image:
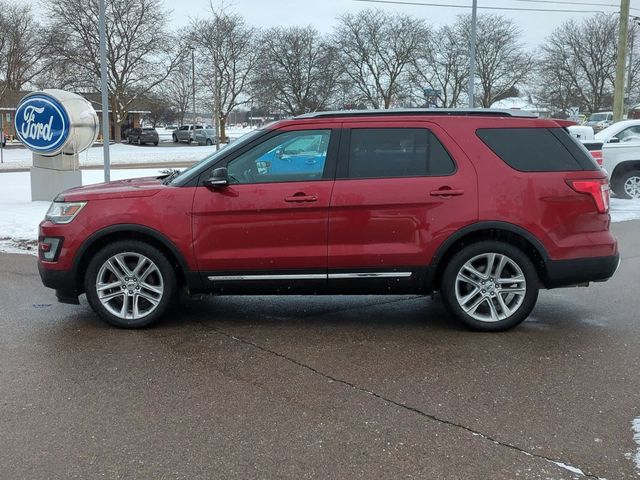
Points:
520	313
618	186
139	141
129	140
209	142
155	143
165	273
175	139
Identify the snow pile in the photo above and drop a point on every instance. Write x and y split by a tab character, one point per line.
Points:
19	217
636	437
623	210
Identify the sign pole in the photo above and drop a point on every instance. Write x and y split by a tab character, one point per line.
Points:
2	138
105	92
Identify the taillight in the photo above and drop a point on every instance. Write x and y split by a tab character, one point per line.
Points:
597	155
598	189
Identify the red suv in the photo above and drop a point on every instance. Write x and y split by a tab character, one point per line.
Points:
484	206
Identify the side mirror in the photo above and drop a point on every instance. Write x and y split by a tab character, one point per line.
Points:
614	140
219	178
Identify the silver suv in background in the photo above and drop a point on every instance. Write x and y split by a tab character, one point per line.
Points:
185	133
205	136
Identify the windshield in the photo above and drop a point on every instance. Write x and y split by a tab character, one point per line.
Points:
196	167
598	117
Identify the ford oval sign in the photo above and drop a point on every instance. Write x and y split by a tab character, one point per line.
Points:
42	123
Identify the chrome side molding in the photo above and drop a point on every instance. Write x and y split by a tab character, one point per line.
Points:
309	276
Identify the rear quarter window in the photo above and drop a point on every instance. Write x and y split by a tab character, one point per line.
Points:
537	149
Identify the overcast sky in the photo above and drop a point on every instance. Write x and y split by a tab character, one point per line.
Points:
535	25
322	13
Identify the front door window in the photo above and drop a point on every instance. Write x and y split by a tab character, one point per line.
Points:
288	157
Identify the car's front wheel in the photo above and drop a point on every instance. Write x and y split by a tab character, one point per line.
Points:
130	284
490	286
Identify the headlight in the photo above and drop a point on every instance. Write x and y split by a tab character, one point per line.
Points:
63	212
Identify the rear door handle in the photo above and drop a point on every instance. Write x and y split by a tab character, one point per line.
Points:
447	192
301	197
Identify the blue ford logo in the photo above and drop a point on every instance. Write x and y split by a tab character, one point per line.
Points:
42	124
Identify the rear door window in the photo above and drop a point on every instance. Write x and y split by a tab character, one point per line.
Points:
397	152
537	149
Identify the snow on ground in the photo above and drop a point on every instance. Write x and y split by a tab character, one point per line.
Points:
19	217
623	210
122	154
636	437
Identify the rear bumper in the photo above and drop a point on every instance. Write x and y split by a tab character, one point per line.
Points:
565	273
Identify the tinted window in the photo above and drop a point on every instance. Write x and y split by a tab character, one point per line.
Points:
537	149
287	157
397	152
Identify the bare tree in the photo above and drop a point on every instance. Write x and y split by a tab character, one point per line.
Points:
376	49
578	63
21	46
502	64
177	89
442	65
228	56
139	54
297	70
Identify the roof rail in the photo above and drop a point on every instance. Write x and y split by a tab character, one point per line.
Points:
422	111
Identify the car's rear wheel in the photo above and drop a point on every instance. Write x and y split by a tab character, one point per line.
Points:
490	286
627	185
130	284
209	142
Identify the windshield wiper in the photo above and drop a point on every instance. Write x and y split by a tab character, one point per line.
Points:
169	175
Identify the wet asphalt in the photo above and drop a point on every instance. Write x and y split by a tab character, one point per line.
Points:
321	387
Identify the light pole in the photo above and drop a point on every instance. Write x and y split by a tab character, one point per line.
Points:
618	93
472	54
193	83
636	20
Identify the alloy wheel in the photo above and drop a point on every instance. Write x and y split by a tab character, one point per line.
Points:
632	186
129	285
490	287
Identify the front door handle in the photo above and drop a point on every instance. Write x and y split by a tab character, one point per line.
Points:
447	192
301	197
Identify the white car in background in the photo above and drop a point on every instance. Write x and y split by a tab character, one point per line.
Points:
621	156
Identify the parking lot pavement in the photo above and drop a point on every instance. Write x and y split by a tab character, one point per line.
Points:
351	387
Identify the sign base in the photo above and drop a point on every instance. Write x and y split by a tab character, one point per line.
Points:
52	175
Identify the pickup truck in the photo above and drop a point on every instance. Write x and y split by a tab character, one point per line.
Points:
620	147
185	133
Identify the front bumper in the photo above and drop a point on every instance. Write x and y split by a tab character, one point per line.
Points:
62	281
566	273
